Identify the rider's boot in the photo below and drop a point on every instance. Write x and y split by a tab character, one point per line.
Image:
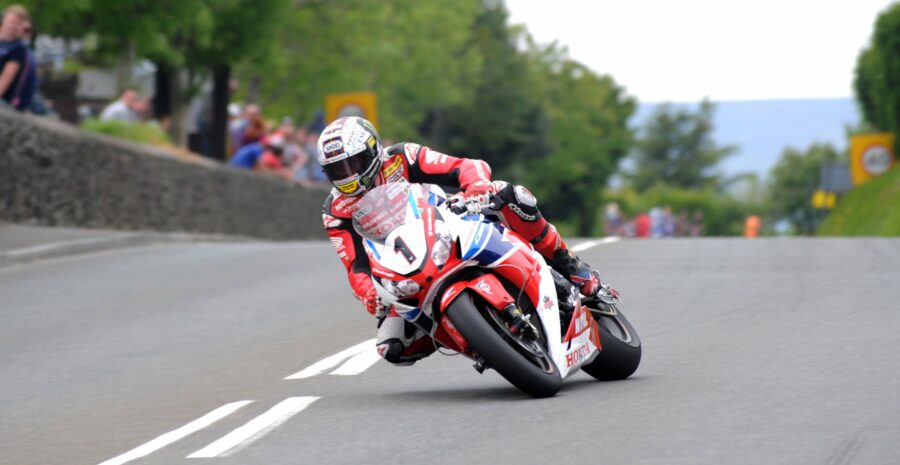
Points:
519	211
587	280
567	296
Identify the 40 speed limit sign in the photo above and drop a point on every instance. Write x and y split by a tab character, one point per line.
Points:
871	155
351	104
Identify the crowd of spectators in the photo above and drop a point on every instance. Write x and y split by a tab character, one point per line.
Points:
284	150
658	222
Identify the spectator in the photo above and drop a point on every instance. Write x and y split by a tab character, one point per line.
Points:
696	229
272	159
235	127
642	225
656	222
126	109
14	57
668	222
612	220
29	98
262	156
752	226
313	169
254	128
681	224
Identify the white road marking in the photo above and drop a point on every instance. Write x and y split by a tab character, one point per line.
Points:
255	428
330	362
174	435
359	362
57	245
588	244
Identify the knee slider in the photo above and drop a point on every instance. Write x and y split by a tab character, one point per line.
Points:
391	351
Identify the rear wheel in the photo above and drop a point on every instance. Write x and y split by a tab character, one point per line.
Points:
621	346
526	365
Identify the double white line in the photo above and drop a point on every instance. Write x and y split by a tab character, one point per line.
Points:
231	442
356	360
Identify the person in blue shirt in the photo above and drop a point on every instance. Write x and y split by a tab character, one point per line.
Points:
14	56
247	156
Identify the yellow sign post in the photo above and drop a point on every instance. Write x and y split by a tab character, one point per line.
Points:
870	156
351	104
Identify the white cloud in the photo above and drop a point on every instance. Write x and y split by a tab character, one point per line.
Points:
664	50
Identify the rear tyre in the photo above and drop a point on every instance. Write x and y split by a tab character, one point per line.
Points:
486	341
621	346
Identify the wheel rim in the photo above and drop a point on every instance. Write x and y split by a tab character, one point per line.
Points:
533	350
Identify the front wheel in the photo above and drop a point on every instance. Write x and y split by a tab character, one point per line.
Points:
487	342
621	346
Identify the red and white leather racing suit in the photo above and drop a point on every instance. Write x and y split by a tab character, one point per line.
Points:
421	164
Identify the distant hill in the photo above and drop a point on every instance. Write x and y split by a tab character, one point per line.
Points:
762	128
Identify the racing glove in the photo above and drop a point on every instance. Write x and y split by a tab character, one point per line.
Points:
479	188
374	305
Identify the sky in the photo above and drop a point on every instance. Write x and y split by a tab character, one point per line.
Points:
685	50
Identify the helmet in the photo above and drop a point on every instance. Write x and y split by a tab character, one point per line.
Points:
350	153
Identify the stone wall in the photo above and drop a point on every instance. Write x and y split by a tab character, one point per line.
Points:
55	174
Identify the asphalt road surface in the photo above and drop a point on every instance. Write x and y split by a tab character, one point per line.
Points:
766	351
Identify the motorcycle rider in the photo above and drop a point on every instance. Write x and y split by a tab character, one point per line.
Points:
353	158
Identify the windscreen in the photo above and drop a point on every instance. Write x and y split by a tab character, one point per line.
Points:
382	210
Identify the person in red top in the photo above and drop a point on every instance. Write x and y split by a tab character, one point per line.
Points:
354	160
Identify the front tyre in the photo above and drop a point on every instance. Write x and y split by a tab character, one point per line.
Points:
486	341
621	346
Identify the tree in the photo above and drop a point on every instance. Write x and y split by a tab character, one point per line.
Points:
792	182
189	41
589	135
504	123
676	148
413	55
877	76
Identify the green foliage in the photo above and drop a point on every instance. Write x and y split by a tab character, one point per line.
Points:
413	55
792	182
723	215
868	210
449	73
588	117
676	148
145	133
504	123
877	80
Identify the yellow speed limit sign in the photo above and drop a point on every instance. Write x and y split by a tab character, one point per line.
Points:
351	104
870	156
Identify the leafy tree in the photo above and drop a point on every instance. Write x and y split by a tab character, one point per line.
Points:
189	40
877	79
413	55
504	123
792	182
676	148
588	116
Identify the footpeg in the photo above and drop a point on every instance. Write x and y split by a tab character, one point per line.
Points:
480	365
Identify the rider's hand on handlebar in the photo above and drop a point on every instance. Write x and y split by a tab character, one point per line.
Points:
471	205
479	188
374	305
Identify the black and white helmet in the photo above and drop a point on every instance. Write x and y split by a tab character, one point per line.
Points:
350	152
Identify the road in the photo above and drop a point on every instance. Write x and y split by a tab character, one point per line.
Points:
765	351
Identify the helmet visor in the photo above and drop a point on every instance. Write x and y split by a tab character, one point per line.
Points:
350	166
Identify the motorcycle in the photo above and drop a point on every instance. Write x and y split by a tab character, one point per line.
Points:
471	283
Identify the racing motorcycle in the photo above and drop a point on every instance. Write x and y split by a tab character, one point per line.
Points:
479	289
